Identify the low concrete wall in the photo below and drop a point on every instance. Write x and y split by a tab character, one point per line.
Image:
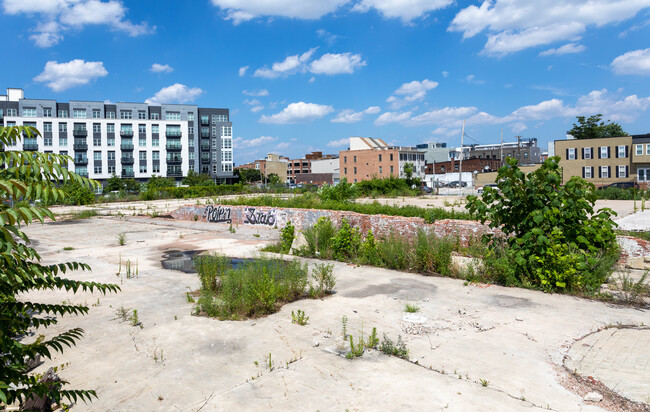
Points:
380	225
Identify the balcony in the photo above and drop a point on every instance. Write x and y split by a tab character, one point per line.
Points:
205	135
82	160
83	174
205	121
126	160
174	146
205	147
80	132
126	146
127	173
205	159
173	133
80	146
126	133
174	172
30	147
175	160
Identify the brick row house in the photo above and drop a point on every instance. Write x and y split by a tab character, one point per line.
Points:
604	161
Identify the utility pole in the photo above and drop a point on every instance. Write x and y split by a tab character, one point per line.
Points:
460	166
501	153
518	150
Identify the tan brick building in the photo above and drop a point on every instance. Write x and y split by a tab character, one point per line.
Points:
603	161
368	158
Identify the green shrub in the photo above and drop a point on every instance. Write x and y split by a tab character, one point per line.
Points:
286	237
78	194
342	192
319	238
555	237
345	244
324	280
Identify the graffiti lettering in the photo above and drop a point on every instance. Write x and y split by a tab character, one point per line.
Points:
217	214
260	218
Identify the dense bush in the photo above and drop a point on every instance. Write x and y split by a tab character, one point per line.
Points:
615	193
390	186
78	194
555	239
343	192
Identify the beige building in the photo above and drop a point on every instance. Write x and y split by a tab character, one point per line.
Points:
369	158
603	161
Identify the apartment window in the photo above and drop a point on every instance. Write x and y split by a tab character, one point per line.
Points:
586	153
604	172
214	143
155	129
79	113
13	112
142	115
110	115
190	155
227	156
110	141
111	170
355	170
345	159
155	116
345	170
391	168
380	168
143	155
214	157
111	155
97	169
190	129
62	113
63	141
621	152
155	168
214	168
621	171
571	154
226	144
97	141
190	117
155	155
47	112
97	128
214	131
222	118
63	152
126	114
639	149
47	127
355	160
143	168
47	141
643	174
226	131
391	159
142	128
173	116
97	155
380	160
587	172
97	114
604	152
142	141
155	141
29	112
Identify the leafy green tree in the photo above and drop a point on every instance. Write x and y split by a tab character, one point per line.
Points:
114	184
78	194
249	175
196	179
131	185
556	240
34	177
159	182
593	127
273	179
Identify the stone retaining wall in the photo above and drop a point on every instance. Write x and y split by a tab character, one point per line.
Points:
380	225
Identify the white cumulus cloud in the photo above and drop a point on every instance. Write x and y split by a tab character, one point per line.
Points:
242	71
392	117
56	16
161	68
243	10
298	113
256	93
568	48
339	143
411	92
240	142
406	10
514	25
633	62
176	93
350	116
290	65
62	76
343	63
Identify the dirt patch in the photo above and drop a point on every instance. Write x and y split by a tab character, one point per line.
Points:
400	288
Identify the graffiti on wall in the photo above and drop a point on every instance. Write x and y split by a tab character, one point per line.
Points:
252	217
217	214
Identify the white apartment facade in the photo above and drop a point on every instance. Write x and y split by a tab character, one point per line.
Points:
131	140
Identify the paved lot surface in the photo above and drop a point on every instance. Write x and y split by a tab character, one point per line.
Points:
619	358
513	340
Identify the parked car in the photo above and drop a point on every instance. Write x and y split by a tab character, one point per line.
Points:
492	185
623	185
426	189
456	183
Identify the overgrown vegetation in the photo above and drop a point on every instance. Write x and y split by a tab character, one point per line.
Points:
84	214
554	239
255	288
40	178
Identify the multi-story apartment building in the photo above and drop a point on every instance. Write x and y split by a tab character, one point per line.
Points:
525	151
297	167
368	158
603	161
136	140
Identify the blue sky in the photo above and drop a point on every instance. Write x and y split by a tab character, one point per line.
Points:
303	75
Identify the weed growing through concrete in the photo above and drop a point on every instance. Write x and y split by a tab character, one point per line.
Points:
299	318
344	326
84	214
135	321
122	314
68	248
189	297
394	349
411	308
484	383
121	239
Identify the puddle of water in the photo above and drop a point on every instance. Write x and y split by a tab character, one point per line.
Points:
183	260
